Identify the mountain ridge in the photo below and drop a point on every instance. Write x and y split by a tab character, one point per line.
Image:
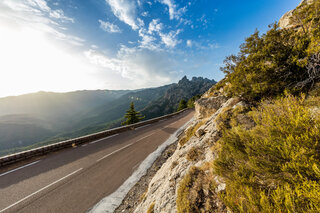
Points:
61	116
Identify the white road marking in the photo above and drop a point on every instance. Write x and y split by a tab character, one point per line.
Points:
103	139
142	126
145	137
40	190
124	147
169	125
114	152
84	145
19	168
128	144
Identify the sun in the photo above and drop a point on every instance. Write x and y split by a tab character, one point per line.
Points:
32	61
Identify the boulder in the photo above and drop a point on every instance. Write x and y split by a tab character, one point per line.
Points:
207	106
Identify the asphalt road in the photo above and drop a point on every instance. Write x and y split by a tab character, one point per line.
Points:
74	180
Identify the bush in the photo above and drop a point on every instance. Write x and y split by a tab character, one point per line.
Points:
279	60
275	166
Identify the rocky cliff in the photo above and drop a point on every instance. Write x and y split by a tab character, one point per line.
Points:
194	149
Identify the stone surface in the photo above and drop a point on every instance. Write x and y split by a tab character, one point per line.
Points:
163	187
207	106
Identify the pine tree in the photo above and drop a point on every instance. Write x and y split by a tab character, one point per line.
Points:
182	105
132	116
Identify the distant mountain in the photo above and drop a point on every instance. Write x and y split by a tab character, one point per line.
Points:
45	117
32	118
169	102
57	108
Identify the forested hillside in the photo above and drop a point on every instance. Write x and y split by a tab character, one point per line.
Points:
41	118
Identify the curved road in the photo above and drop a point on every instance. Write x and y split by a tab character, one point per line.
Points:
74	180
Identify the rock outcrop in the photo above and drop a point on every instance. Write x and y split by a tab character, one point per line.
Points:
285	20
207	106
162	190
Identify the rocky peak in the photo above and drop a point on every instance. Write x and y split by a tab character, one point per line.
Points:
184	80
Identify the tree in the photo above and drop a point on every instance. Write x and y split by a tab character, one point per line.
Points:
182	105
191	101
132	116
269	64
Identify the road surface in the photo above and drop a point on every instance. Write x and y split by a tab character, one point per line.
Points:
74	180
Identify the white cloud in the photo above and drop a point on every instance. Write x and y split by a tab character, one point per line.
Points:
174	12
144	14
155	26
139	66
140	22
59	14
189	43
93	46
148	41
124	10
36	14
109	27
172	8
170	39
38	7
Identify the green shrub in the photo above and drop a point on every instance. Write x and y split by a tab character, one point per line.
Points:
275	166
271	63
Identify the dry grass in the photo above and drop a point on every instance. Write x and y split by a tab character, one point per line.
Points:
196	192
195	154
191	132
151	208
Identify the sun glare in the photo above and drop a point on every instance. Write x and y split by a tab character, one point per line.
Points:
30	60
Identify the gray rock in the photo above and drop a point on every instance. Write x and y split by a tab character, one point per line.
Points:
207	106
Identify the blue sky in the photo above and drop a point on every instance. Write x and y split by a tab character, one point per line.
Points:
65	45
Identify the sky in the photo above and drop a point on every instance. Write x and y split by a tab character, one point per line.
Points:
67	45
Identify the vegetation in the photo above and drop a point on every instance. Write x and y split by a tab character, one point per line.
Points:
190	132
194	154
33	120
275	166
196	192
169	102
268	156
151	208
281	59
132	116
182	105
190	103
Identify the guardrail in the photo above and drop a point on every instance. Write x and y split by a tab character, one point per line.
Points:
13	158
